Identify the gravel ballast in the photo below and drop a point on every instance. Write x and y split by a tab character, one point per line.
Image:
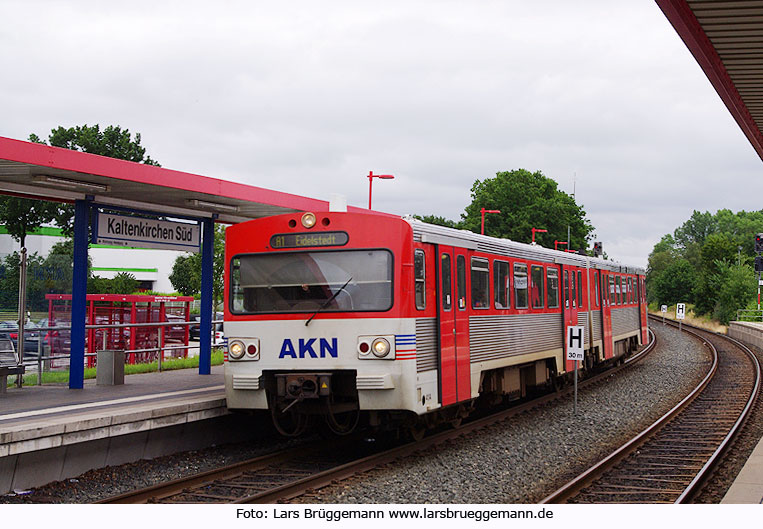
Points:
518	461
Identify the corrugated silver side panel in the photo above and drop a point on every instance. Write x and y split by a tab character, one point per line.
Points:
596	325
624	320
426	344
495	337
583	321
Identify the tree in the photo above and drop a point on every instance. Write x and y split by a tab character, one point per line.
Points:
716	252
124	283
675	283
22	215
527	200
112	142
736	290
438	221
663	256
186	271
186	275
719	249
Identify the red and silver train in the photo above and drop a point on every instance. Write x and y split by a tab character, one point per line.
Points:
353	318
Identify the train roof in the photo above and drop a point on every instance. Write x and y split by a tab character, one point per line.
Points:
423	232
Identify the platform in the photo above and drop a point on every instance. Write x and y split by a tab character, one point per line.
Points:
748	486
51	432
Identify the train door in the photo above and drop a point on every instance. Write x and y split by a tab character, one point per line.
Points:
570	309
606	315
455	368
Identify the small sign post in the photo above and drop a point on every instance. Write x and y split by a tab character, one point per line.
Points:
575	352
680	314
664	310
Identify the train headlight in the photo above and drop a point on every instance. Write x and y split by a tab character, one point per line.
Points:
376	347
380	348
236	350
308	220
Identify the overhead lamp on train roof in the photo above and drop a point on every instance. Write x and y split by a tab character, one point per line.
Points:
308	220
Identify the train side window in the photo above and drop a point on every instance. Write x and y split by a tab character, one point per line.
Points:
480	283
618	293
573	295
596	287
552	288
520	285
580	288
536	287
631	290
635	290
611	290
419	273
447	281
566	289
501	285
461	281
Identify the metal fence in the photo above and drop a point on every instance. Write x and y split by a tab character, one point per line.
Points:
749	315
44	355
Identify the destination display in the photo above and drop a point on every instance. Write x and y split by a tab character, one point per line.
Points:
307	240
143	232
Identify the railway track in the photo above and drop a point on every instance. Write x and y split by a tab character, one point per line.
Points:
669	461
293	472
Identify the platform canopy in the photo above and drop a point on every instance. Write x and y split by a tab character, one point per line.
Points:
726	39
51	173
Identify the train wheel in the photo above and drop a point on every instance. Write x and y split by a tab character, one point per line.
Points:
415	432
341	423
288	423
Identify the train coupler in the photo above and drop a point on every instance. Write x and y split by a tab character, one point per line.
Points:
303	385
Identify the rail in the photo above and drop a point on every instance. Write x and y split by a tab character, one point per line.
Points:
689	489
312	466
40	357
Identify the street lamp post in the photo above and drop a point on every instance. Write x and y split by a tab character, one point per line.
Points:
556	243
537	230
482	214
371	177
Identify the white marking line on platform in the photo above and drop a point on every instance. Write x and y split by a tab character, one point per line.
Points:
106	403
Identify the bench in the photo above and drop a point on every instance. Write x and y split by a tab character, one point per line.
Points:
9	363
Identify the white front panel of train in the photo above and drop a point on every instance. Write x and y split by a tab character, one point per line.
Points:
326	345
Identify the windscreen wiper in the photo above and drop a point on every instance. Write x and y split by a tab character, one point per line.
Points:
326	303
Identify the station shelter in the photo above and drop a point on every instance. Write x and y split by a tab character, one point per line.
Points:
99	187
141	343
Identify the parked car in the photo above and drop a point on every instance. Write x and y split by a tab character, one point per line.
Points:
10	329
175	333
217	338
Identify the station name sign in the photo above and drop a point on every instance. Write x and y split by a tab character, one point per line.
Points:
142	232
308	240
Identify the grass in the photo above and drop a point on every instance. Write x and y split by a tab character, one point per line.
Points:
62	377
703	322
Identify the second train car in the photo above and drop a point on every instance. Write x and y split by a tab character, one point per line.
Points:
349	318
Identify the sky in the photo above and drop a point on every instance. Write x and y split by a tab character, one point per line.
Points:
307	97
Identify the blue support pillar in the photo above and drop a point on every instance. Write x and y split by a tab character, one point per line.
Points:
79	294
205	330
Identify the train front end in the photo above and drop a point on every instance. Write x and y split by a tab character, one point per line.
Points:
315	319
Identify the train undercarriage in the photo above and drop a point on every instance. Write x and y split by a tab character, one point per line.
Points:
301	401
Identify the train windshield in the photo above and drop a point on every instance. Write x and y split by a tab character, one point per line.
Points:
332	281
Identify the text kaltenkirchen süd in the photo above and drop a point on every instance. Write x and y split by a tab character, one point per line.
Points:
415	513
